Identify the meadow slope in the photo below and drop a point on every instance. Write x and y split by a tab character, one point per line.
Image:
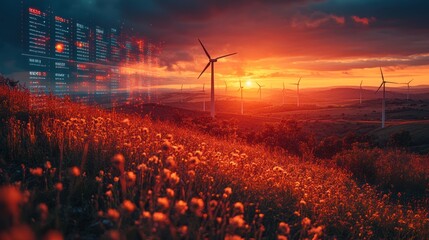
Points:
81	171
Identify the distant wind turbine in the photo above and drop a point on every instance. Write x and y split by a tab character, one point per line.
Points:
260	91
408	90
360	92
226	87
297	91
211	62
383	106
241	92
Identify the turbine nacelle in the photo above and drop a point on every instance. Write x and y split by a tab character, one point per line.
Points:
383	82
211	62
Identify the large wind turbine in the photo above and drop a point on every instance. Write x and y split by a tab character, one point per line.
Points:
360	92
260	91
211	62
297	91
408	90
241	93
383	106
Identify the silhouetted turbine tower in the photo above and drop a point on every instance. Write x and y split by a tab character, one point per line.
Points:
297	91
408	90
383	105
241	92
360	92
260	91
211	62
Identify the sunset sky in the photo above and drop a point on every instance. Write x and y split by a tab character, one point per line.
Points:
328	43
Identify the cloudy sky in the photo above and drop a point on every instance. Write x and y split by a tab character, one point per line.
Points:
327	42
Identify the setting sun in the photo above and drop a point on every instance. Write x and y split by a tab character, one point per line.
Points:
248	83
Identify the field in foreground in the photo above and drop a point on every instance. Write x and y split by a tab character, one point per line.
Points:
83	172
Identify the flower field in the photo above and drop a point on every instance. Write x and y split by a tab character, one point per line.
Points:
74	171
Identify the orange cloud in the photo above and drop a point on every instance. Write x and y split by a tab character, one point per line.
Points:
316	20
338	19
362	20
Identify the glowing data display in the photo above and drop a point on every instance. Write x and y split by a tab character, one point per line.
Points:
66	56
39	47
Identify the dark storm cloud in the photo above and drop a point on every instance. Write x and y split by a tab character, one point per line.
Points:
171	59
344	65
398	14
316	28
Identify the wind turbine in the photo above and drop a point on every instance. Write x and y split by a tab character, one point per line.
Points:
283	92
383	106
360	92
204	98
297	91
211	62
241	91
260	91
408	91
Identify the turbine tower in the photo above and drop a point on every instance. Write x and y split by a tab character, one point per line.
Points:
241	92
260	91
360	92
211	62
297	91
204	98
383	106
408	90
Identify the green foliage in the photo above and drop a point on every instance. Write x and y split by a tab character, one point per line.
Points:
287	135
400	139
391	169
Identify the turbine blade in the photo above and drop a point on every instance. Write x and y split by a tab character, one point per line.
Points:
205	50
410	81
299	80
240	83
382	76
208	64
283	85
379	87
225	56
361	83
